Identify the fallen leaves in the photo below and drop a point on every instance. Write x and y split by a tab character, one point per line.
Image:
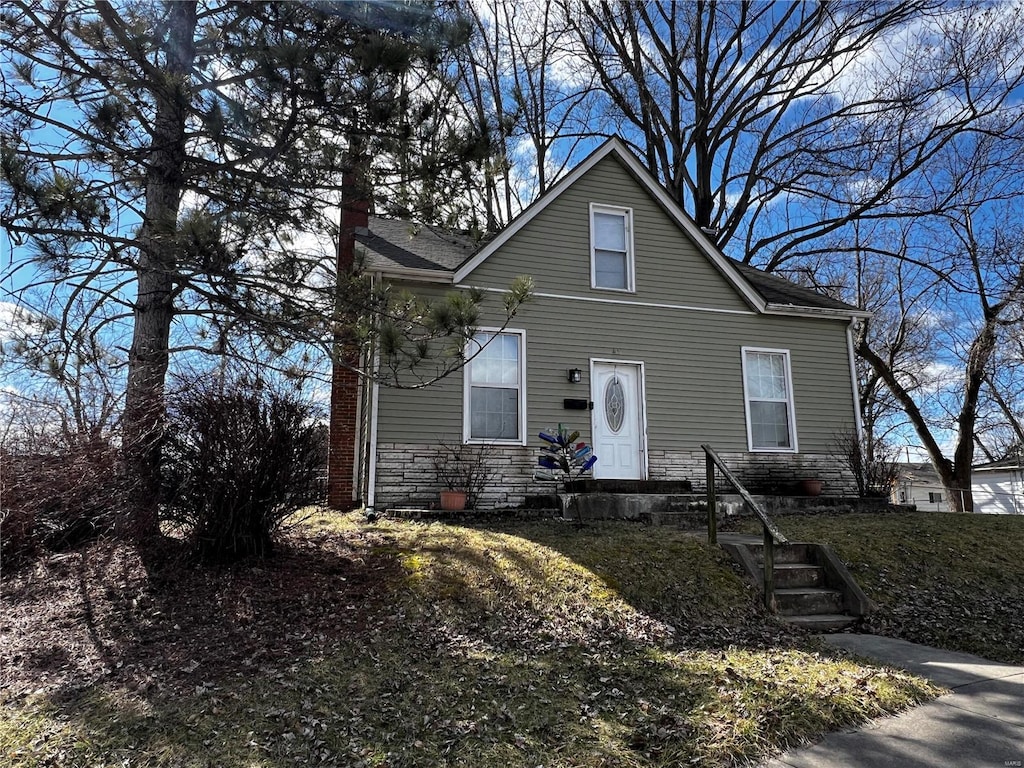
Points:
948	580
401	644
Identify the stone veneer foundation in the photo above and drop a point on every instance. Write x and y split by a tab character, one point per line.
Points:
406	475
763	473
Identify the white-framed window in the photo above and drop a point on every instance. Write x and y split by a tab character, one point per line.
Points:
768	396
611	248
934	498
494	387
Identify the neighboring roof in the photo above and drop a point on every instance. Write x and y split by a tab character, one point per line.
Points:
919	472
1008	463
399	245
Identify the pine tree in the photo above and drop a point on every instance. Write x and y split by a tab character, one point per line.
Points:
162	158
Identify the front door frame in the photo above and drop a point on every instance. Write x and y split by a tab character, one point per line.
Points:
641	406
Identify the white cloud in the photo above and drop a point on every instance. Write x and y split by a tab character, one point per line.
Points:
16	321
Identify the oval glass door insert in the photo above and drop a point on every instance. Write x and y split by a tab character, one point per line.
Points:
614	403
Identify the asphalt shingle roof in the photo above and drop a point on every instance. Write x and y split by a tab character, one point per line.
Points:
1009	462
401	244
393	243
778	290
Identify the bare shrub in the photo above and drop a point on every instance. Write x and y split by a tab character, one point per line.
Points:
462	467
873	465
57	494
238	460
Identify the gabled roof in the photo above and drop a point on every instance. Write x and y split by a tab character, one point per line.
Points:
403	248
921	472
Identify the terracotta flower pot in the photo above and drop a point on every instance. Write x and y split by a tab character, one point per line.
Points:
453	501
810	487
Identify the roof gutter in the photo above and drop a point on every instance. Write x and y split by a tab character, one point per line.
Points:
796	309
858	416
422	275
371	465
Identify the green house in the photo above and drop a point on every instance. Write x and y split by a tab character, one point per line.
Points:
641	334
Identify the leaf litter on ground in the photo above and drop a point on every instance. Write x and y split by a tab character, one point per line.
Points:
406	644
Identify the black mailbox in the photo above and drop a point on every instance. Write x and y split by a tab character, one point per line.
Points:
577	404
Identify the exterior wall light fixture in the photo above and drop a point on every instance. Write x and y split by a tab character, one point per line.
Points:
575	375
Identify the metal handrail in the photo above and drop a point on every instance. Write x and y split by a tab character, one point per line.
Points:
772	534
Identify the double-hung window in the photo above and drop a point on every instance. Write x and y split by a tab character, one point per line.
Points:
611	247
494	408
768	394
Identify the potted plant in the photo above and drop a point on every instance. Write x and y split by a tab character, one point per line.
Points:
462	470
811	486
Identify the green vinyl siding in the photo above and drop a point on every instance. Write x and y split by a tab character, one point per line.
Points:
693	368
685	322
555	248
428	414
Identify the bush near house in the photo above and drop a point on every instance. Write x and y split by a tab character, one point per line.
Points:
56	494
239	459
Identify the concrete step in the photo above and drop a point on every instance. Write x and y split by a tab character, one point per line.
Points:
661	487
808	601
785	553
797	575
822	622
656	509
803	574
678	503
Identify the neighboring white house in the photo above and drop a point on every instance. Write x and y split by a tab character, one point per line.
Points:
998	487
918	484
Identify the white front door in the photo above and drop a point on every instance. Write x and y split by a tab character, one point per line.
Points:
618	420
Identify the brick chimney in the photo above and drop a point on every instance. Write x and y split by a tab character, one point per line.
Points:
344	427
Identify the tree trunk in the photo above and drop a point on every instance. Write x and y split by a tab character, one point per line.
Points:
955	475
154	311
981	351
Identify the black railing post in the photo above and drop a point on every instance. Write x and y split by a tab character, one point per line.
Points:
712	501
772	535
769	570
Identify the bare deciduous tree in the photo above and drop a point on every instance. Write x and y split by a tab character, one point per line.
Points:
966	312
523	96
780	124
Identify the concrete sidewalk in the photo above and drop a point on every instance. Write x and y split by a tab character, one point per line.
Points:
979	723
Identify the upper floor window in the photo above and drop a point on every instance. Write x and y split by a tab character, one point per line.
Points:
611	247
495	388
768	393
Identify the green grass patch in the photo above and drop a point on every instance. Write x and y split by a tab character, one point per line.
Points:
534	645
952	581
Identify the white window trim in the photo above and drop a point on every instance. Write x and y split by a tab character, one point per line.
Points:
627	215
467	391
790	401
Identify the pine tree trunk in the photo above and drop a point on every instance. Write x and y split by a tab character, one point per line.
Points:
154	311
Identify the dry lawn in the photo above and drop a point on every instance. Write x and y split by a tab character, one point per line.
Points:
405	644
